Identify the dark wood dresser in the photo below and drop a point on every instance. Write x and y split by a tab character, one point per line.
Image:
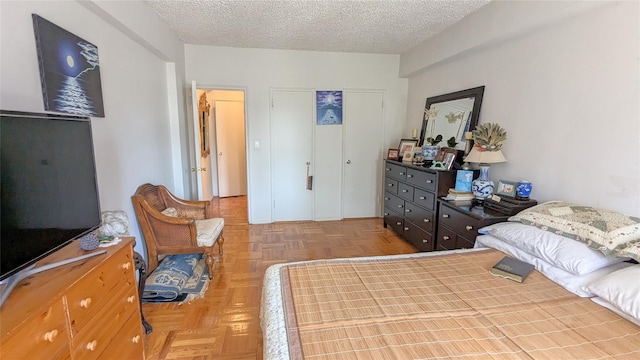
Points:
410	201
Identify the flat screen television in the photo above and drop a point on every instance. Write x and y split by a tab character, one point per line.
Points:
49	194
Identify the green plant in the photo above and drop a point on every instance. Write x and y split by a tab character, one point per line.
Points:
452	142
435	141
489	136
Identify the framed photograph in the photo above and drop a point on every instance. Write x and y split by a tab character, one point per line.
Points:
506	188
407	145
329	107
393	154
443	154
449	158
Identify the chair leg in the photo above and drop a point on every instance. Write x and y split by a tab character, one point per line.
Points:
220	243
209	261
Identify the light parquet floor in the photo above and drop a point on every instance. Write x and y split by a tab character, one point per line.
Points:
225	325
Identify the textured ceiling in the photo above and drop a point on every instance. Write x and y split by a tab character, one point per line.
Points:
363	26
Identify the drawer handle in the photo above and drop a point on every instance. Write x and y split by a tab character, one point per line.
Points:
406	229
429	181
130	299
426	220
92	345
135	339
409	176
85	303
51	335
387	199
400	206
469	227
405	190
425	241
407	210
445	237
423	198
387	169
399	223
390	185
446	216
386	214
401	173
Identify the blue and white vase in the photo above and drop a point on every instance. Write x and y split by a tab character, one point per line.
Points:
523	190
482	187
430	151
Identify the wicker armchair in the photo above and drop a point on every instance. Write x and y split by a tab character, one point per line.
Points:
171	225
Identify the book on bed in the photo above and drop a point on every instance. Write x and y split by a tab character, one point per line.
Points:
512	269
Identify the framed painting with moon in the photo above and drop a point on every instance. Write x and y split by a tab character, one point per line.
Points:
69	70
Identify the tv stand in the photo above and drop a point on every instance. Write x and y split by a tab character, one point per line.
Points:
87	309
14	279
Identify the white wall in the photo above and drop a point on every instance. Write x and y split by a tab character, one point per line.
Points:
259	70
133	141
562	78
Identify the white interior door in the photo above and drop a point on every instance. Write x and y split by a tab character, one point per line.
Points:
231	149
291	154
363	113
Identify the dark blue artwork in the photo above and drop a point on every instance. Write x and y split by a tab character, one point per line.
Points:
329	107
69	71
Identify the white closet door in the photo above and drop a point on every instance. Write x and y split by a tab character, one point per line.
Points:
363	138
291	154
230	144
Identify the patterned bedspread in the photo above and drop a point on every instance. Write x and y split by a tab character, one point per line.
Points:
444	306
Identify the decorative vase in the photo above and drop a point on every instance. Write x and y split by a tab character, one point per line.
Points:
482	187
523	190
430	151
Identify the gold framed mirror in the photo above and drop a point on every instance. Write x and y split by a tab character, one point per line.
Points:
204	109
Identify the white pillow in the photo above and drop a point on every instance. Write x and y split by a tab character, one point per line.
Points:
621	289
569	281
563	252
172	212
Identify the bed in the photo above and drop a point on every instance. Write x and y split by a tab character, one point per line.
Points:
581	302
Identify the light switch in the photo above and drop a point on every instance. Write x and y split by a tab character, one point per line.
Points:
256	144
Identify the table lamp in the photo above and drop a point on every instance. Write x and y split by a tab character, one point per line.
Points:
482	187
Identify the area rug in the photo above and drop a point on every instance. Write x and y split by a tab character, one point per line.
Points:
178	278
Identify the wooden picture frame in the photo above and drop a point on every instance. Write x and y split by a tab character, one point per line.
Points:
393	154
506	188
407	144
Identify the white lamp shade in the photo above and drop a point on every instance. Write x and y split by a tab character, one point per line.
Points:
484	157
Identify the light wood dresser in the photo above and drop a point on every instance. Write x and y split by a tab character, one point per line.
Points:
88	309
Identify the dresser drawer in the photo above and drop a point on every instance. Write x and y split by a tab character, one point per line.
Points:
446	238
419	216
405	191
391	185
419	238
398	172
462	224
43	333
129	340
423	179
394	220
97	336
425	199
394	203
87	296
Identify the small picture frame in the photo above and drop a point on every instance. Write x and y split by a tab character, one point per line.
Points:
506	188
407	145
444	159
393	154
